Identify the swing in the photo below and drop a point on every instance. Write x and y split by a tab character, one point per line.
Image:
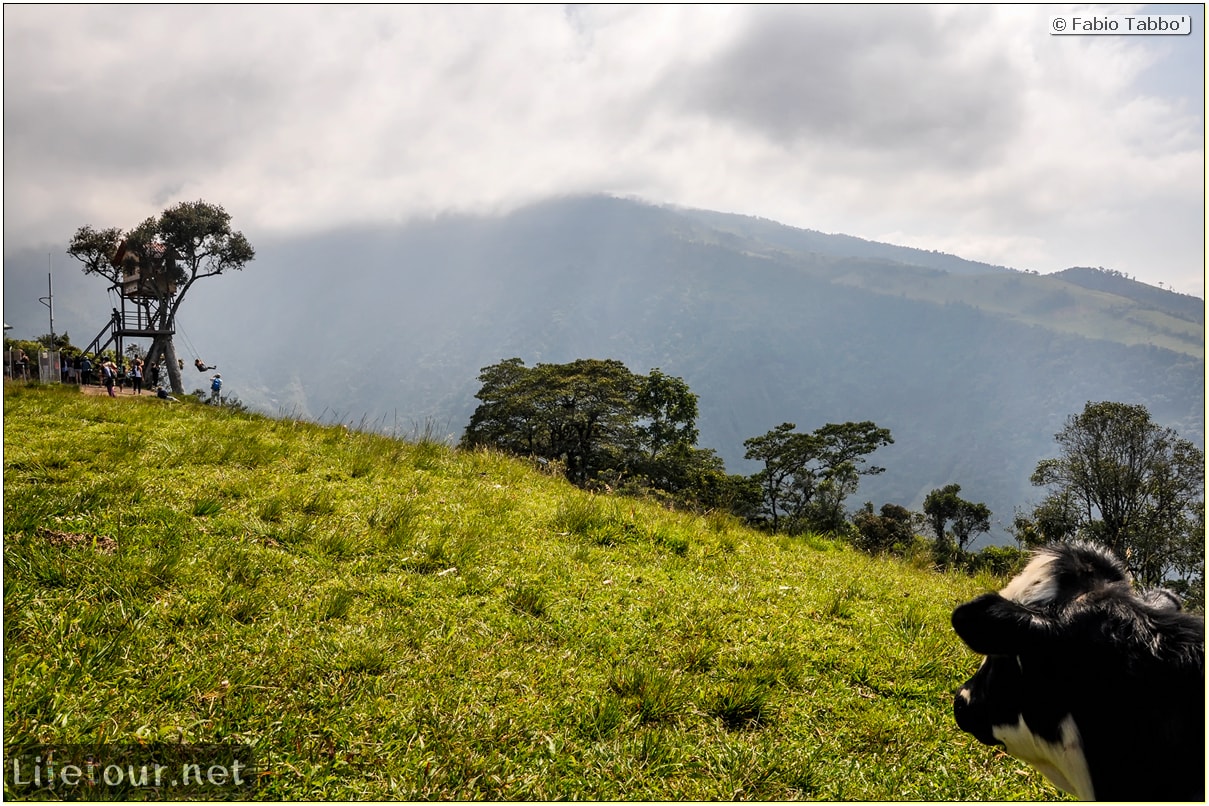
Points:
197	362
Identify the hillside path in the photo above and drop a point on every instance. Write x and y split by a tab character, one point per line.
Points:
127	392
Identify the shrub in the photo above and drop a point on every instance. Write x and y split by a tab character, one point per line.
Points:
1004	561
889	532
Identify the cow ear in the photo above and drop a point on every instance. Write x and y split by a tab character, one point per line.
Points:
993	625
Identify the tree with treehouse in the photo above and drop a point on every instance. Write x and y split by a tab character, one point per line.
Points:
153	266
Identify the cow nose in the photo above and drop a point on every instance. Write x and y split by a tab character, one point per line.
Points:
970	718
961	708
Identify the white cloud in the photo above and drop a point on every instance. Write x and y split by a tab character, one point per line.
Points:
969	130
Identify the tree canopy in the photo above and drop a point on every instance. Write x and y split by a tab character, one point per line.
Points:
1124	481
595	417
944	506
807	477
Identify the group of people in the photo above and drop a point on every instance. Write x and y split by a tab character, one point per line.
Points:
113	375
84	371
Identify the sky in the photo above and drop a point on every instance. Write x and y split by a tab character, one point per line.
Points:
965	129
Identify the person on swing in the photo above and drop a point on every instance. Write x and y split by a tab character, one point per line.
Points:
201	365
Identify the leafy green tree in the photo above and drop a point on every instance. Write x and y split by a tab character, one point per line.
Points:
577	413
592	420
1188	564
889	531
96	249
694	478
842	449
508	416
668	412
59	341
944	506
597	418
191	240
807	477
972	520
940	507
1125	482
787	483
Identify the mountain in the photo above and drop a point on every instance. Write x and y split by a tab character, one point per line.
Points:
972	367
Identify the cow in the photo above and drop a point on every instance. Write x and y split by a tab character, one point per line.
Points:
1099	687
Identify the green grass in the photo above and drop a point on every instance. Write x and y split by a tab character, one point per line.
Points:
389	620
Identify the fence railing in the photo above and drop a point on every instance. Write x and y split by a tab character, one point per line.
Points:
46	366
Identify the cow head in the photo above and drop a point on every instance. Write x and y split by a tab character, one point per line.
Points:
1098	687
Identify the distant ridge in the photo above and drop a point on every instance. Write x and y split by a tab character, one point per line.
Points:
836	244
1183	306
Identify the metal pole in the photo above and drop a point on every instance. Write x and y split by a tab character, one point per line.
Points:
49	302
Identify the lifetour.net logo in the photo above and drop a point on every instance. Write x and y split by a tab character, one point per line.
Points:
111	771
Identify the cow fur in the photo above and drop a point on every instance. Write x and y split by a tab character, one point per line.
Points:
1098	686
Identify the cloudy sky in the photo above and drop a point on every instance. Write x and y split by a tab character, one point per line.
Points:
969	130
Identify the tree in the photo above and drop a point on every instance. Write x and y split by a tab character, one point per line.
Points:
96	249
842	449
668	409
944	505
189	241
590	418
596	417
59	341
972	520
786	481
1126	482
888	532
807	477
575	413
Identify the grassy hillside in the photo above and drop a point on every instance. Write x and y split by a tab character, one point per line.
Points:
384	620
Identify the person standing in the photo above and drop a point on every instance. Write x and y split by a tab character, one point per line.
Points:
136	376
215	388
85	370
109	373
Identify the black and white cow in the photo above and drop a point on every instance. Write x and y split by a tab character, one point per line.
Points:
1099	687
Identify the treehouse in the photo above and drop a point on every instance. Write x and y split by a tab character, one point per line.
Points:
154	280
148	286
